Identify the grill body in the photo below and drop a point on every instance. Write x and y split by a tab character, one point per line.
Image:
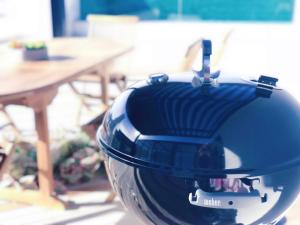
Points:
226	153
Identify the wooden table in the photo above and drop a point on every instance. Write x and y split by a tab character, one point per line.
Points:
35	84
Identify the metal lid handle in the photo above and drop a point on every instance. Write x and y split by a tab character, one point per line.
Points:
204	76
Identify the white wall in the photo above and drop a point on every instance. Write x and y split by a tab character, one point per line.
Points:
30	19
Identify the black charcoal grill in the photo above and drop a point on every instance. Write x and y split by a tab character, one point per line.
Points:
199	148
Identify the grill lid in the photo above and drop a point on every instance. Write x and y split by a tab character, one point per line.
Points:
192	124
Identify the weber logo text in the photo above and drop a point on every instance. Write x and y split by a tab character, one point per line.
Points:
212	202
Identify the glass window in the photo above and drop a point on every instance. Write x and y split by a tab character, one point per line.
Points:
228	10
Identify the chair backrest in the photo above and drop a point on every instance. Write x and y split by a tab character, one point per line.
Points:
191	55
118	28
194	49
220	52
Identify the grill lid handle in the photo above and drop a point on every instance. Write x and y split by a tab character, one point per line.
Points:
204	76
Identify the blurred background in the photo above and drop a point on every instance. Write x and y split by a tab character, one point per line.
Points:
76	49
263	33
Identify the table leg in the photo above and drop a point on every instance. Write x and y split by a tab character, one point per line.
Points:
44	161
45	172
45	196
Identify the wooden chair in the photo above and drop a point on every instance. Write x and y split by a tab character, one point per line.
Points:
118	28
6	155
7	147
10	121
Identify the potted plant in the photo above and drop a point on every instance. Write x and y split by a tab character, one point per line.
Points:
33	51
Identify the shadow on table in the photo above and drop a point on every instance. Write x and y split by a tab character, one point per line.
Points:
60	58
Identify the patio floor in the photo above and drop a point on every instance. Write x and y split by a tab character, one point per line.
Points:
88	208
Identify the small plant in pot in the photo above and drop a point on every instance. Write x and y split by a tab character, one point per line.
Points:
33	51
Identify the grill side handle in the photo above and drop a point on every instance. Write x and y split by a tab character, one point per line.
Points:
226	200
